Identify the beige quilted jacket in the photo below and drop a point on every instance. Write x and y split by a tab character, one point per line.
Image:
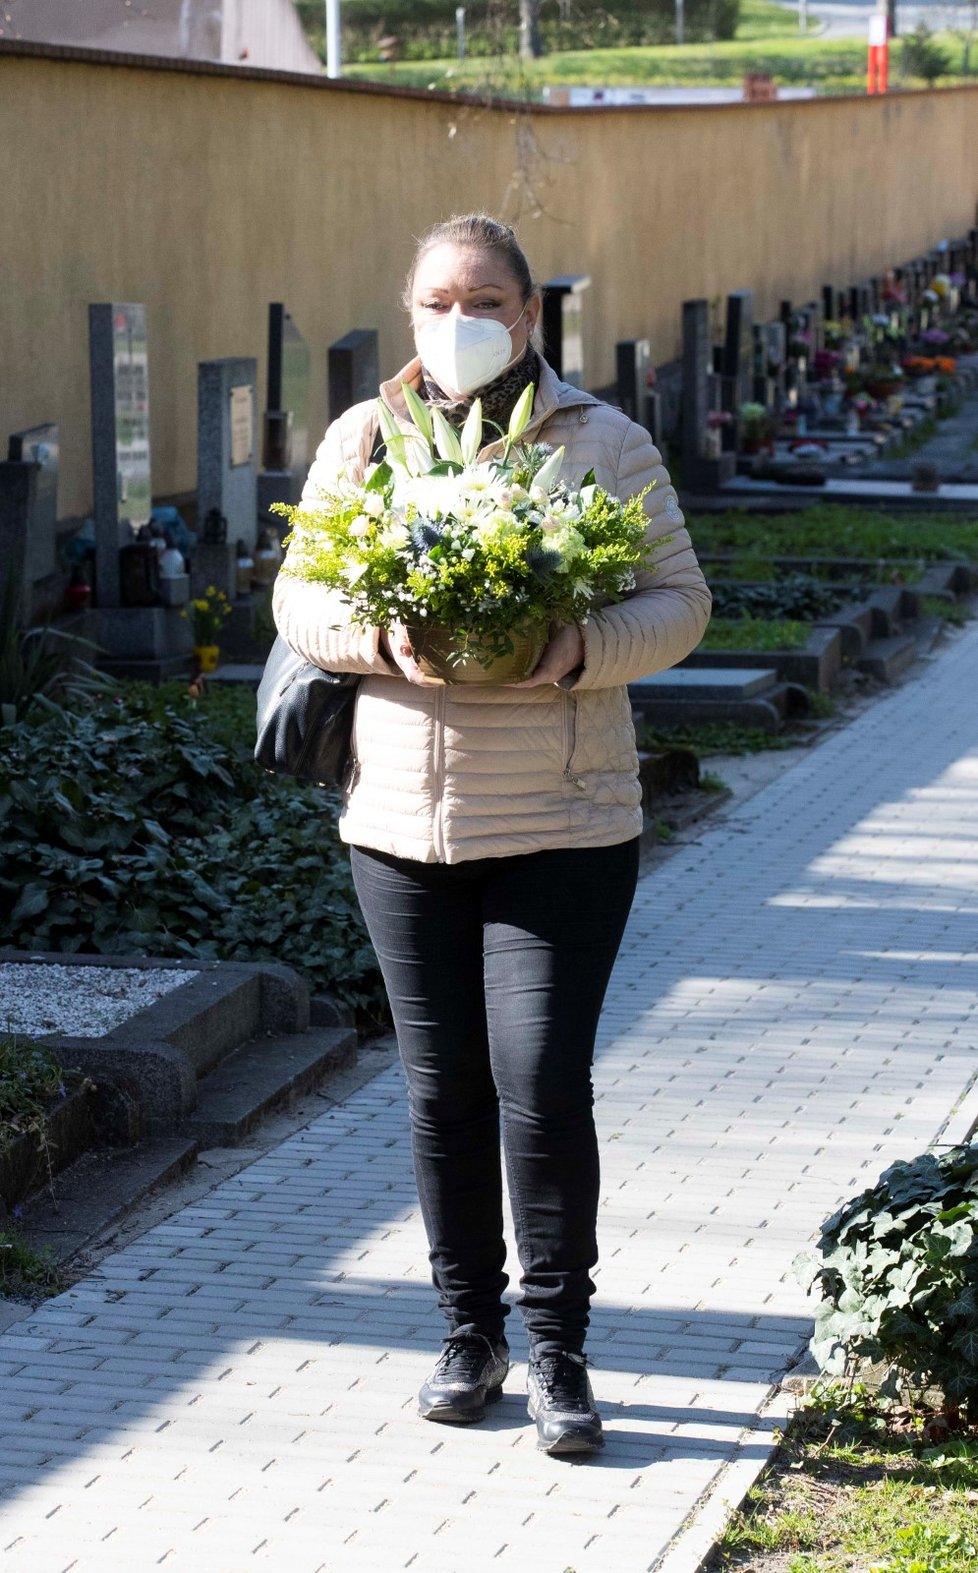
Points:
451	773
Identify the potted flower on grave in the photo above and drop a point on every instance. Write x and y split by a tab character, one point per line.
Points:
476	557
208	614
755	427
716	421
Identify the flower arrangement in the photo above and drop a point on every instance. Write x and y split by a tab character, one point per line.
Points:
483	550
208	614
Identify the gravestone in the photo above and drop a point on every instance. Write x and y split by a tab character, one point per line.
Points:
285	445
136	637
831	304
633	363
738	350
699	470
119	365
563	339
28	516
353	370
226	469
667	408
770	357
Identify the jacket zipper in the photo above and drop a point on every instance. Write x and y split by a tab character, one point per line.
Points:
437	824
570	741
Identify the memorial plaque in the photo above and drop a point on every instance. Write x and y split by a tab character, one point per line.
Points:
242	425
119	364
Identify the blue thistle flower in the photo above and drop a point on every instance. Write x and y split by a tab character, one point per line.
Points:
424	534
544	561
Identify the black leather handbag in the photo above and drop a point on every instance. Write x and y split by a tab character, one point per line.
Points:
305	718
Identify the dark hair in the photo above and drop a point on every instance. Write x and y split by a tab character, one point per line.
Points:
482	233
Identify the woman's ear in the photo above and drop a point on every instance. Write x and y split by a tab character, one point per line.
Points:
534	307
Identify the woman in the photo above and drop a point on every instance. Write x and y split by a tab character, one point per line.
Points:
494	849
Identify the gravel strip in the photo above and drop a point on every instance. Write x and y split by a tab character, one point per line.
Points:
37	998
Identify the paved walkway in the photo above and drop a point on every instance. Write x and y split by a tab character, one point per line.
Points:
792	1011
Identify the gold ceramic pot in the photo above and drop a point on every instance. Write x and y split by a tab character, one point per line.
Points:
436	651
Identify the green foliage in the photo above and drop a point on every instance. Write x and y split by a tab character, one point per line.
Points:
798	597
426	28
30	1079
754	633
142	824
24	1272
897	1268
31	1084
921	55
714	737
833	531
953	612
40	668
925	1549
484	550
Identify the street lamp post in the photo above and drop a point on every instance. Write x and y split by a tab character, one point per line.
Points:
332	38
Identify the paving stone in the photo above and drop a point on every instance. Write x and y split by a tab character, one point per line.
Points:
791	1011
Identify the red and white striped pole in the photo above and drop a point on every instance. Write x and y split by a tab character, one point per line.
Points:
877	66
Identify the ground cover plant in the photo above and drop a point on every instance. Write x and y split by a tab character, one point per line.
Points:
860	1486
716	737
754	633
140	822
897	1272
831	530
798	597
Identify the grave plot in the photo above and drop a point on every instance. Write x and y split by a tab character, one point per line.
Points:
790	620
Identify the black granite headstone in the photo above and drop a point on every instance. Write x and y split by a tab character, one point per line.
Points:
29	507
353	371
632	364
563	339
738	355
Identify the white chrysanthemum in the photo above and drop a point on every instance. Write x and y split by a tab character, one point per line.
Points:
373	503
500	524
394	536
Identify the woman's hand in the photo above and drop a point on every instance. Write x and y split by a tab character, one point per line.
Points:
564	653
396	646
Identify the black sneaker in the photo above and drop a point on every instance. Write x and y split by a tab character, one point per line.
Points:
562	1404
469	1375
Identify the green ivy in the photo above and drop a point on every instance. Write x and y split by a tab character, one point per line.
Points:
898	1272
141	823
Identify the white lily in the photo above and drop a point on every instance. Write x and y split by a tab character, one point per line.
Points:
446	438
548	472
419	412
471	440
519	419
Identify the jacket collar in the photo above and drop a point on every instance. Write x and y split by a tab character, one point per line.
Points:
551	395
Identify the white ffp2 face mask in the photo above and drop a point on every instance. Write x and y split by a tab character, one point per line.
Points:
464	353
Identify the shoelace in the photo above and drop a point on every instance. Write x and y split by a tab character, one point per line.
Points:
563	1378
464	1358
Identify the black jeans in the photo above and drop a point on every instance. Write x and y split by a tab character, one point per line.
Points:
496	970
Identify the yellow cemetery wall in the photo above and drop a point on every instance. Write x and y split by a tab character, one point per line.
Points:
207	192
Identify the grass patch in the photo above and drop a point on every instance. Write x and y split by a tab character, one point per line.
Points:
767	40
857	1486
833	530
953	612
831	64
715	737
754	633
26	1274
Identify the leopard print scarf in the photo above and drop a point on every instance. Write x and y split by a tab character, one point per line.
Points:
498	398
